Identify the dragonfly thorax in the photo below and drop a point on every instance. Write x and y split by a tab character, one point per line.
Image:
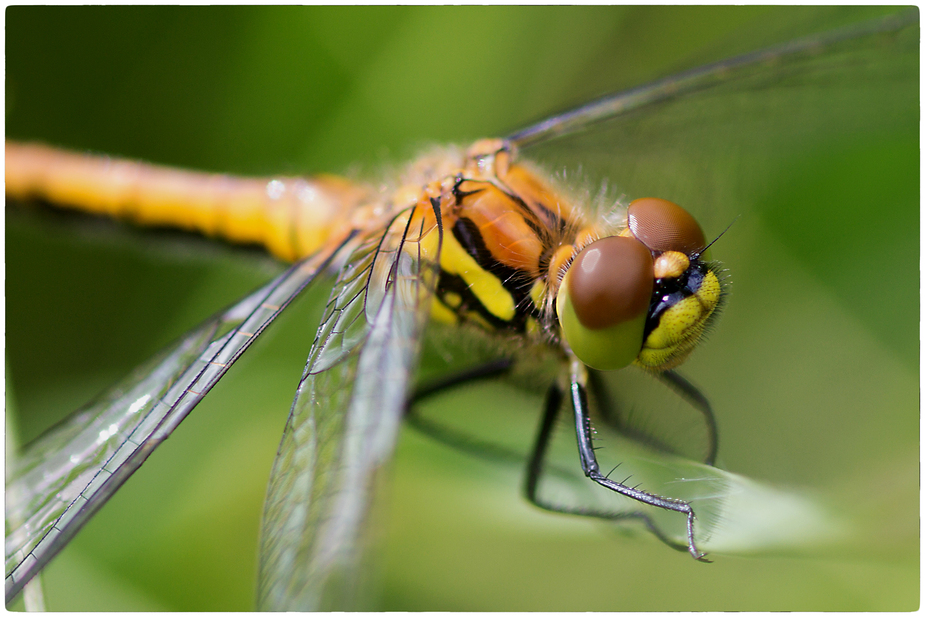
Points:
503	230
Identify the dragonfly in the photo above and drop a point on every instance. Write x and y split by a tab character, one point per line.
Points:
535	135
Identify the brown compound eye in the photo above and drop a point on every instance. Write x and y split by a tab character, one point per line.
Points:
603	301
665	226
610	282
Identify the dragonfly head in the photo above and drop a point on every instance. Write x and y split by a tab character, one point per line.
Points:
644	296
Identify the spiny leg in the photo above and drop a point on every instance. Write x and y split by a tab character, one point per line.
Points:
592	470
536	465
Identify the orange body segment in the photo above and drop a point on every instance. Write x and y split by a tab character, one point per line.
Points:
291	217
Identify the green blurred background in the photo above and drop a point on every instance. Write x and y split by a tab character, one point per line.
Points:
812	370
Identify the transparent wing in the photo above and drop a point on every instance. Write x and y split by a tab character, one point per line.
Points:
68	473
344	420
674	138
705	77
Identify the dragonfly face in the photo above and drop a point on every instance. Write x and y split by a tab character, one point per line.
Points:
480	129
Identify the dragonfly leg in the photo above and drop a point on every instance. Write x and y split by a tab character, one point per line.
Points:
488	370
592	470
695	397
449	435
536	468
612	415
540	447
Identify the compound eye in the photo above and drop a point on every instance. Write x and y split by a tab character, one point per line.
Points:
603	301
665	226
610	282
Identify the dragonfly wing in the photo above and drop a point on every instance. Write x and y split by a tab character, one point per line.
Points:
706	77
806	106
65	476
344	420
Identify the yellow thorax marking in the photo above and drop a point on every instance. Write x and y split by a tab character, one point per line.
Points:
486	286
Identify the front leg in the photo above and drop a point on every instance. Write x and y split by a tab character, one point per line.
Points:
578	377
